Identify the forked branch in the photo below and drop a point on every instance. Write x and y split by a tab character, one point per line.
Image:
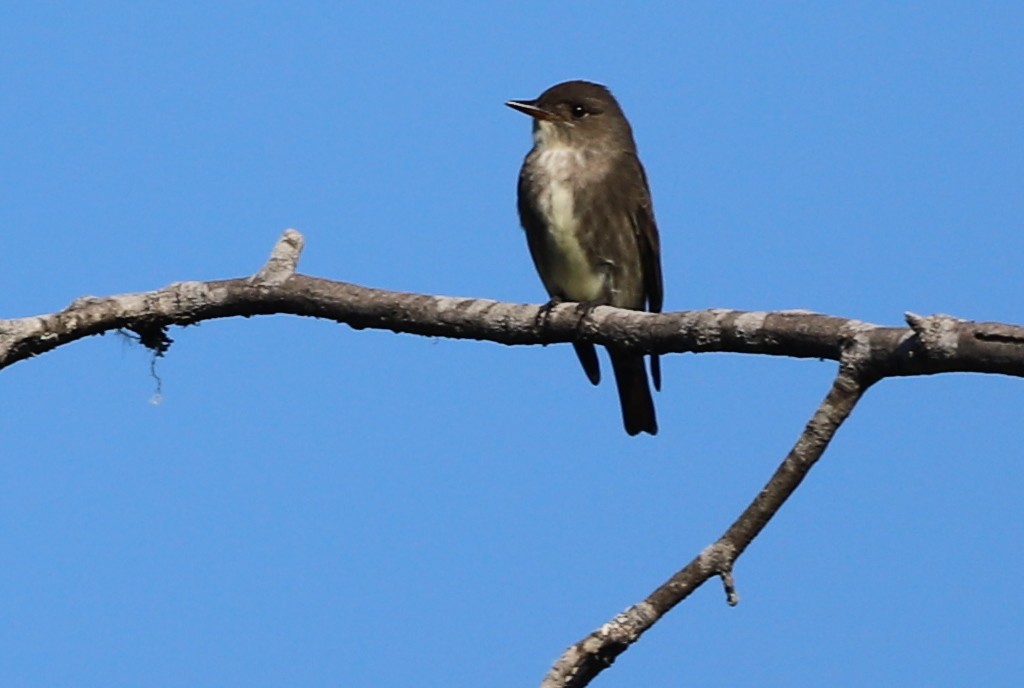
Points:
866	353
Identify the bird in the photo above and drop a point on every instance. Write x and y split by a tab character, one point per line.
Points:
585	206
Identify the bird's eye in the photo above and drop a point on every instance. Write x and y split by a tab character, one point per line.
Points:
578	112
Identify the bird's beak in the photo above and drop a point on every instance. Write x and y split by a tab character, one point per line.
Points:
528	107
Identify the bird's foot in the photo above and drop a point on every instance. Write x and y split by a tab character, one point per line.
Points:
584	309
544	314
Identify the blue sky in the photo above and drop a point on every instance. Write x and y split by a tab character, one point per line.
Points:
311	505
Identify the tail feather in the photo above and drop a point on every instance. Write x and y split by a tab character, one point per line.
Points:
634	393
587	354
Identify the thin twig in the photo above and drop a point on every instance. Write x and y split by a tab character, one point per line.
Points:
594	653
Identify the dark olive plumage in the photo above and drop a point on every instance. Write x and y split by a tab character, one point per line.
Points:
586	208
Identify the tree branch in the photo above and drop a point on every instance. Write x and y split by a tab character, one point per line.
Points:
866	353
932	345
594	653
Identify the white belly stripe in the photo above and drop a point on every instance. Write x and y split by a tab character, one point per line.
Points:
570	271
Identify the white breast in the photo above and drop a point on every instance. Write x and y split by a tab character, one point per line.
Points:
567	269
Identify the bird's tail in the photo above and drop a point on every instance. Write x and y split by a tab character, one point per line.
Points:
634	393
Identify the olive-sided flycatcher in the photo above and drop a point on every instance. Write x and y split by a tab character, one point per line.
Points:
586	208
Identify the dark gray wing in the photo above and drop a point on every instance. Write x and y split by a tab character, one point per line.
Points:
646	232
